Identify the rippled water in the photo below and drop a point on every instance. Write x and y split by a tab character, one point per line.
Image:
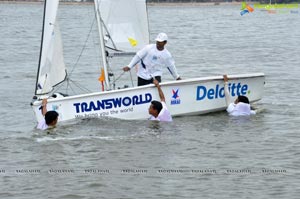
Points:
208	156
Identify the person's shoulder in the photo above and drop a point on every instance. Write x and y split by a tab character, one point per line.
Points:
167	53
147	48
163	104
42	125
150	46
165	115
230	107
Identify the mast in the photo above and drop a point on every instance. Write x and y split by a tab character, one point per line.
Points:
41	48
102	45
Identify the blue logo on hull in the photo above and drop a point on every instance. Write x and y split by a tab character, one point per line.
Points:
112	103
218	92
175	97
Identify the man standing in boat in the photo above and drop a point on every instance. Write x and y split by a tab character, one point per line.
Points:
151	60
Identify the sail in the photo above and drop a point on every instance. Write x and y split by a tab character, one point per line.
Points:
125	24
51	65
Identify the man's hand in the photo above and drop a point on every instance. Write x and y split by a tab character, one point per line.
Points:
126	68
44	102
160	92
225	78
155	82
44	106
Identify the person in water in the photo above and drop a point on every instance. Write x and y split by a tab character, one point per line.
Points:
50	117
151	60
241	105
158	110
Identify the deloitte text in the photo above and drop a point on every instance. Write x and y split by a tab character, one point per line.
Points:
218	92
112	103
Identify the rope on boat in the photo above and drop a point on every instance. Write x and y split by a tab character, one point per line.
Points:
118	77
68	86
83	48
131	79
68	81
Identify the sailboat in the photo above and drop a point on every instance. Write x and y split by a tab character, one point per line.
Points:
120	24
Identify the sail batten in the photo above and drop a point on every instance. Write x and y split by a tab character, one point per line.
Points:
51	66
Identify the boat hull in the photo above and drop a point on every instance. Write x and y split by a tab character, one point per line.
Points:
184	97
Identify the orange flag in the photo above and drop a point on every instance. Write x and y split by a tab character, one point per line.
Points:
102	78
249	8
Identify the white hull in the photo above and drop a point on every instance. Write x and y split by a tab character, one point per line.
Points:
194	96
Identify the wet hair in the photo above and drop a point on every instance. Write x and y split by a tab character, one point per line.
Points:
50	116
157	105
243	99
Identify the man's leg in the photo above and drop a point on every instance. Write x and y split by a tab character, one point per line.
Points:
142	82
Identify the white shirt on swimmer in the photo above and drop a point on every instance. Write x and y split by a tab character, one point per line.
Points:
240	109
164	115
42	125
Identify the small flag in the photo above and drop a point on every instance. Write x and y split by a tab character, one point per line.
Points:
249	8
244	12
132	41
246	8
102	78
243	5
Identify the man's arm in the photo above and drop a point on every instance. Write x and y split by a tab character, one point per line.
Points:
160	92
172	69
170	64
44	107
138	56
226	90
133	62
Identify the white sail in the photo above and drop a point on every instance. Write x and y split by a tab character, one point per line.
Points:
125	24
51	67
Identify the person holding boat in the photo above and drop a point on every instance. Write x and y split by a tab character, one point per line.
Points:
50	117
158	110
240	107
151	60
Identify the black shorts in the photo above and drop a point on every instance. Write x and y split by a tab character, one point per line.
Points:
142	82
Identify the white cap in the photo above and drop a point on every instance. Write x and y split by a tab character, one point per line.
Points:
161	37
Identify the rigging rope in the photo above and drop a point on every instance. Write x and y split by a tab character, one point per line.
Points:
68	80
118	77
131	79
83	48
